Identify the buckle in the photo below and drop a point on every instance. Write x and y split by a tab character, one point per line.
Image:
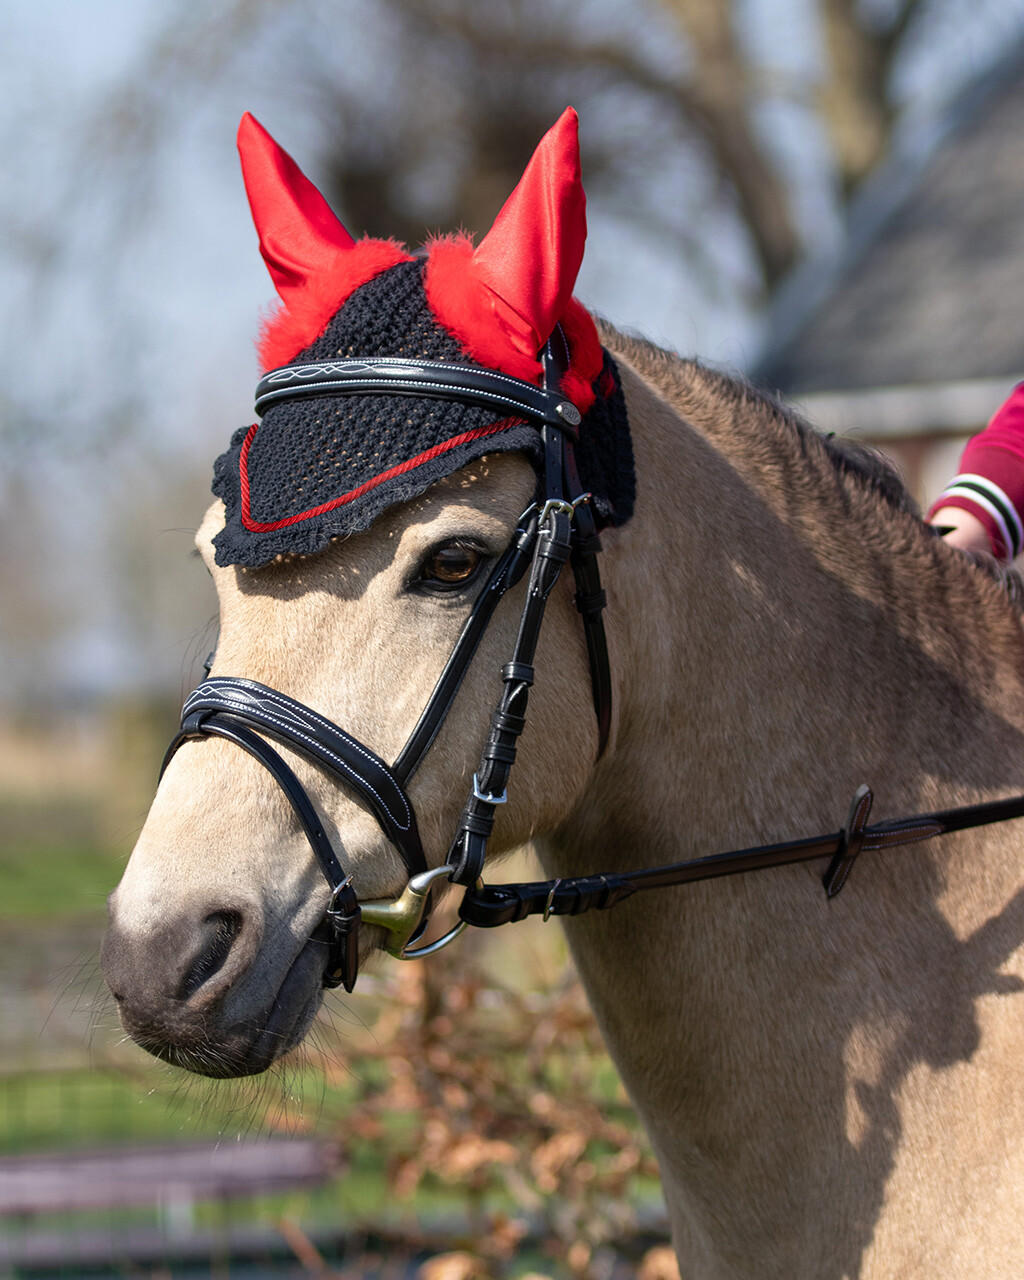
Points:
488	797
342	920
557	506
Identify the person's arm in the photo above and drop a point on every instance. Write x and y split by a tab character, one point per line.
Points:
984	502
961	529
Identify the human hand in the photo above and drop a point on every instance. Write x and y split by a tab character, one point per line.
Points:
966	532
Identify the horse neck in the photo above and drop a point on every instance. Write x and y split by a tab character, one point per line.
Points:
780	620
779	635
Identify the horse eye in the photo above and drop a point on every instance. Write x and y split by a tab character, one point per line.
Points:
452	565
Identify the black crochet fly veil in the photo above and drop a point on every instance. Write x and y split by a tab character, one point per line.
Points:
322	467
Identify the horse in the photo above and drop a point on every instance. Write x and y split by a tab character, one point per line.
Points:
830	1084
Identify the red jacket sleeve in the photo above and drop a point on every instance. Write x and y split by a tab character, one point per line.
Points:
990	482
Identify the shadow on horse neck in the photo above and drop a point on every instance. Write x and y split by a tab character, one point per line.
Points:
830	1086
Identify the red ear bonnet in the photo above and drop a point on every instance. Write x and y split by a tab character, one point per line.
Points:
314	262
530	258
503	300
325	466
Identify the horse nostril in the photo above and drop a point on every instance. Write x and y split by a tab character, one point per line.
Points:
226	925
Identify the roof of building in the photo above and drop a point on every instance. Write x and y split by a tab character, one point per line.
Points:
929	287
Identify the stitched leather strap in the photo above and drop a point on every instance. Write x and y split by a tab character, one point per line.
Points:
490	782
343	914
299	727
590	598
552	547
506	573
233	707
488	906
851	841
566	526
390	375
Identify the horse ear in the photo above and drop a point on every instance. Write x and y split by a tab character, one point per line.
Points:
300	237
530	258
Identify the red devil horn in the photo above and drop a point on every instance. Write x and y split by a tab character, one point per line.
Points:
530	258
299	235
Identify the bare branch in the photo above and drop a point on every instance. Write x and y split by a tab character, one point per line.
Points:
856	105
714	102
720	105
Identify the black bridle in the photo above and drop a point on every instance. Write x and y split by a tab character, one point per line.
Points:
558	527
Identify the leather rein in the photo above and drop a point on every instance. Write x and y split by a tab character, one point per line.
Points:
558	527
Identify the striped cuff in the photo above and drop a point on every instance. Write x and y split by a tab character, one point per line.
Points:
986	499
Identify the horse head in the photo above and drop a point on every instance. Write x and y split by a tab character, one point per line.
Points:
368	520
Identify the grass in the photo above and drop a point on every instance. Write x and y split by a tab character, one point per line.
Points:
89	1108
71	1109
44	879
53	860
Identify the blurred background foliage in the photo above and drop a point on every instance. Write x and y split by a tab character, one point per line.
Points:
724	144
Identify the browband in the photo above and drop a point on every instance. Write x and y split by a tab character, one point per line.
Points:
391	375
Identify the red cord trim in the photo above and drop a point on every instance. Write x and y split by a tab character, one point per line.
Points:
259	526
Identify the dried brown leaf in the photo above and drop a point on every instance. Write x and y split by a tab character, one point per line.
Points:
453	1266
551	1157
659	1263
470	1153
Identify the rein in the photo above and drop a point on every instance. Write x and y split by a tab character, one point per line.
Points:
488	906
558	527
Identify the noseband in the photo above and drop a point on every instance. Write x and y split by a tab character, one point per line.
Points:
557	527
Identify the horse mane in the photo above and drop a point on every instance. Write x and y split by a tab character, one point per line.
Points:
692	386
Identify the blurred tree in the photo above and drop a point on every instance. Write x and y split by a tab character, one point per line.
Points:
705	124
428	109
32	614
490	78
856	101
723	139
